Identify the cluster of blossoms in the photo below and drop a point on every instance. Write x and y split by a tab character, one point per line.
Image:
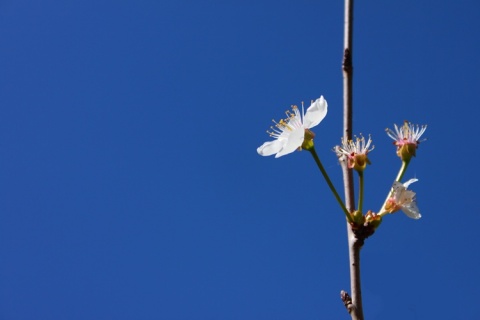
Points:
293	133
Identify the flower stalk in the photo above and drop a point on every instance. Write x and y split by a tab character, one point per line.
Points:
355	154
360	192
330	184
402	170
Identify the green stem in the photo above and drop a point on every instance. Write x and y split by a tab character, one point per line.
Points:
360	193
399	177
330	184
402	171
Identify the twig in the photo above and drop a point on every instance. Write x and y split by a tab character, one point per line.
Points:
353	303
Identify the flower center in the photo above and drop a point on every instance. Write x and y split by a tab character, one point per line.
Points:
287	125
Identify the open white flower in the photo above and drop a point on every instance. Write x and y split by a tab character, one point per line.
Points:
407	134
355	152
289	133
403	199
407	139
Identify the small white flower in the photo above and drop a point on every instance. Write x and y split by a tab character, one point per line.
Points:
289	133
403	199
407	139
407	134
355	152
359	146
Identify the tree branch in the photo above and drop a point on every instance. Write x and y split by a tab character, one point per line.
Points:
353	303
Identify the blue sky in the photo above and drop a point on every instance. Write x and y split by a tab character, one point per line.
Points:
130	187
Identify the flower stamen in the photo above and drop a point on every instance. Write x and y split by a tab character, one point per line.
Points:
407	139
355	152
289	133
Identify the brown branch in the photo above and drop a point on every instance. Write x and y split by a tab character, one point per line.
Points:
353	303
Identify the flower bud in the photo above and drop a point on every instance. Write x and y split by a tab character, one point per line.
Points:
358	217
373	219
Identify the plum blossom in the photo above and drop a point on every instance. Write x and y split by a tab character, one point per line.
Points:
355	152
403	199
290	133
407	139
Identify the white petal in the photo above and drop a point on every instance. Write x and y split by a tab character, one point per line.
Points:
271	147
412	211
315	113
397	186
409	182
295	140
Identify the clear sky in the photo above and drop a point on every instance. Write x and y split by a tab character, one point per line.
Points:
130	186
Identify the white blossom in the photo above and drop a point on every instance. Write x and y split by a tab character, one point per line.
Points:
403	199
289	133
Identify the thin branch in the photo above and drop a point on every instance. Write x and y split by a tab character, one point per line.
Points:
354	304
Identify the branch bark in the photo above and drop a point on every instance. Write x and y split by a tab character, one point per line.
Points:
353	303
